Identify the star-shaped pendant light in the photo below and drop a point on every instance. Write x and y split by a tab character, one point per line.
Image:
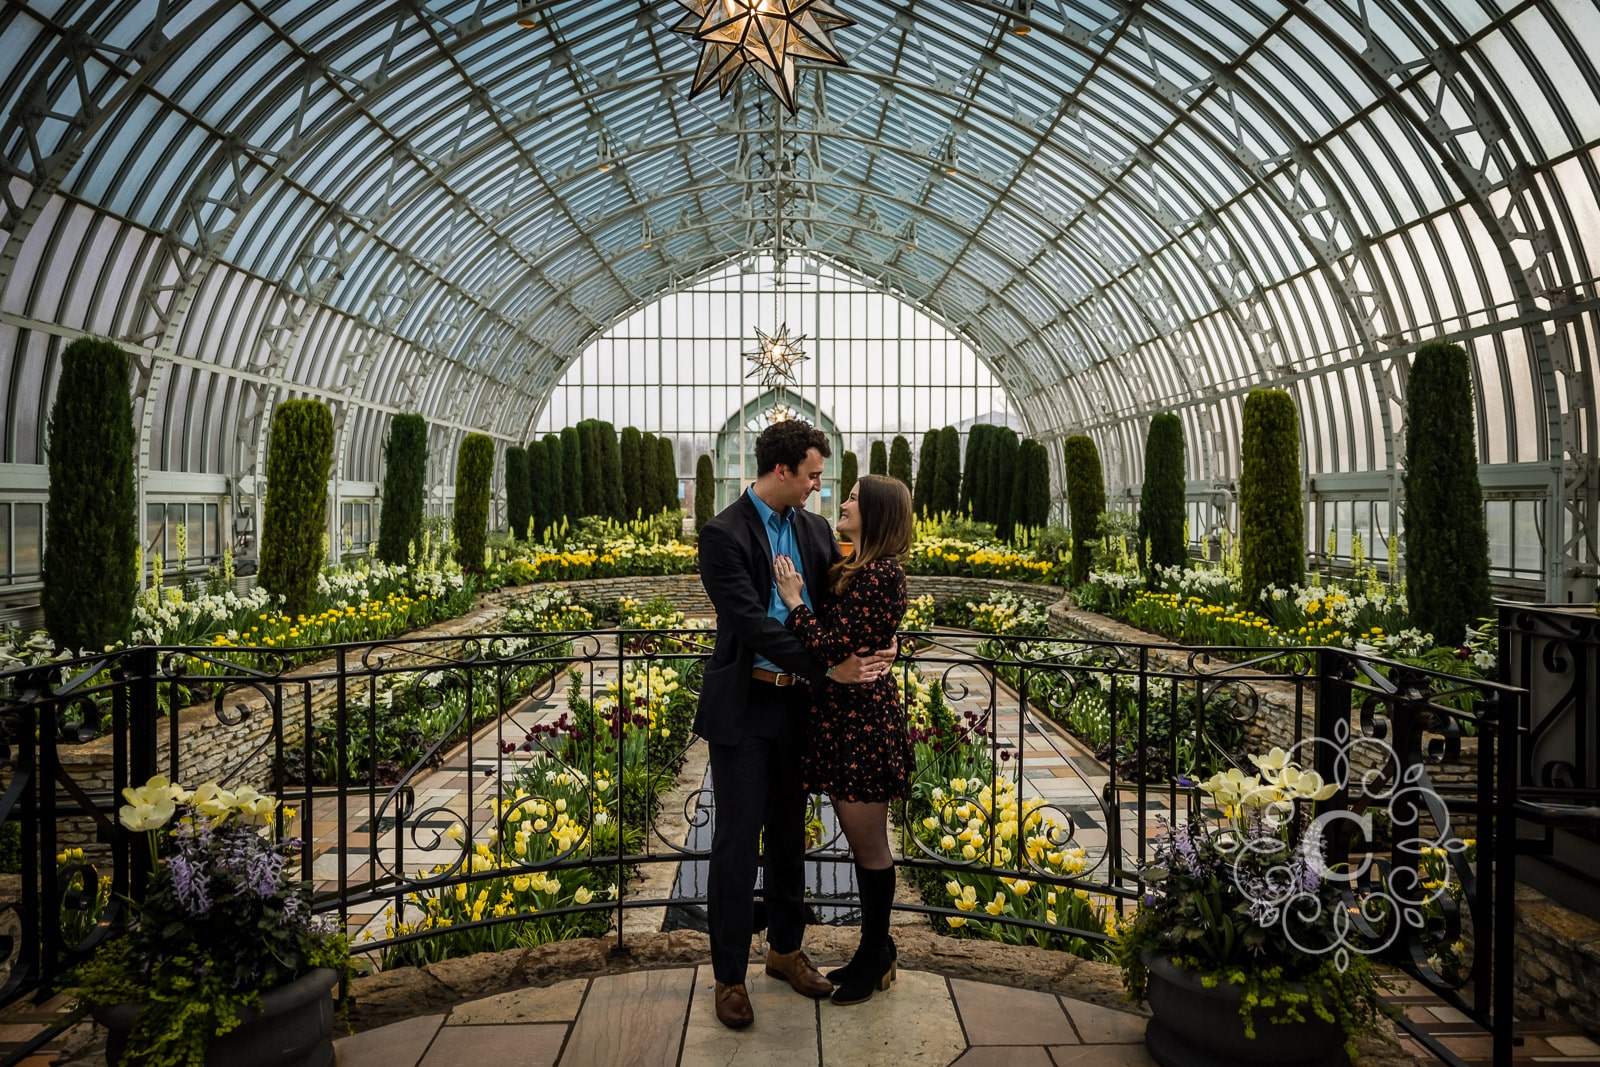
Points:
776	357
765	36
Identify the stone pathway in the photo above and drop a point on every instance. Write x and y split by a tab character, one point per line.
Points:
665	1018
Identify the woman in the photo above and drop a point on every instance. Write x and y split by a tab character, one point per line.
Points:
857	749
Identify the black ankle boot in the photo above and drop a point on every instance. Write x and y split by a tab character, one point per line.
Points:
873	965
841	975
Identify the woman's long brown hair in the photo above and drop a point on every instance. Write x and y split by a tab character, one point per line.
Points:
885	510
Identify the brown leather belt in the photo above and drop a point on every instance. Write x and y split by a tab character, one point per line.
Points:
775	678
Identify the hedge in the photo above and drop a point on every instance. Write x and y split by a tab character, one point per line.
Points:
474	470
611	473
946	495
405	485
1447	543
649	474
1272	518
631	466
1030	485
997	486
1086	500
299	455
973	469
1163	502
927	473
555	494
91	569
571	473
705	492
539	487
518	506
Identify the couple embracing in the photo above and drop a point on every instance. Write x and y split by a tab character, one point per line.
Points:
798	699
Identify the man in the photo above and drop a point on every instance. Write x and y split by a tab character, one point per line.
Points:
752	709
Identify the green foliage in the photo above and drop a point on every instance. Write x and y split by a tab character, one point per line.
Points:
973	470
631	461
555	494
572	492
518	506
591	448
405	478
946	495
538	487
611	473
91	568
1272	519
667	470
900	460
705	492
878	459
1086	501
1447	545
1162	502
299	453
927	473
848	476
649	474
1030	486
474	469
998	486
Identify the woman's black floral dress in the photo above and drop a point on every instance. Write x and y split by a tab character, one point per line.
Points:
857	747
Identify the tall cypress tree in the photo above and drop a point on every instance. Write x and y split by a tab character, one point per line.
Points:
667	469
649	474
1039	491
1002	467
1162	501
611	472
971	469
405	481
299	455
538	488
946	497
1447	543
1272	519
90	564
1086	500
705	492
900	461
518	507
927	473
878	461
849	474
474	472
572	493
555	494
633	470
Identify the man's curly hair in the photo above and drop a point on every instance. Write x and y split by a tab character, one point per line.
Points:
787	442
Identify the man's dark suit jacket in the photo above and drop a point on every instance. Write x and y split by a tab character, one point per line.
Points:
736	568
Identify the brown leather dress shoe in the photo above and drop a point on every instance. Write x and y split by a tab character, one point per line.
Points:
733	1006
796	969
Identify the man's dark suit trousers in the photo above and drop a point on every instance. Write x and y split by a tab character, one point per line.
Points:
756	785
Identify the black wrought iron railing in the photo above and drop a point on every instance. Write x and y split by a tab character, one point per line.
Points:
452	794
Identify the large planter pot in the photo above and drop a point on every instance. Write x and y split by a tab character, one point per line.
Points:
293	1028
1192	1026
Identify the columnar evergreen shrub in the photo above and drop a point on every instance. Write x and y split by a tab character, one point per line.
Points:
632	464
997	487
405	484
705	492
878	459
572	493
1086	500
555	494
1272	519
927	473
649	474
538	487
974	469
900	460
667	469
592	494
946	496
849	474
1447	544
91	569
611	472
1030	485
299	455
518	506
474	471
1162	502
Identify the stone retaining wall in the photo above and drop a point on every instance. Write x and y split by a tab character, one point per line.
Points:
1558	963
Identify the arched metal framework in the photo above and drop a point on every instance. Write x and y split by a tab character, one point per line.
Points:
1136	206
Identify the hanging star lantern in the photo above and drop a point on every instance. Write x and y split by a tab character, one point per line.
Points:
764	36
776	356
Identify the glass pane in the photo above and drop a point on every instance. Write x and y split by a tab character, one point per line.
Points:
5	544
1529	561
29	532
1497	514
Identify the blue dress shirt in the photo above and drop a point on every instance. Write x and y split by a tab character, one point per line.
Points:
780	542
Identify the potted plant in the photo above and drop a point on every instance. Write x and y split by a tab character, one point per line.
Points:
1242	942
225	963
